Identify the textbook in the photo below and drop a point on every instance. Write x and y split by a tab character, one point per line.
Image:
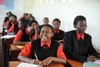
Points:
8	36
22	64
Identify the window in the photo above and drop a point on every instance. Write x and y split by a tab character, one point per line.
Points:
38	2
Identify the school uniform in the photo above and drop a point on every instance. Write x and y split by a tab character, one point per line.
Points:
42	53
14	28
58	35
23	35
78	47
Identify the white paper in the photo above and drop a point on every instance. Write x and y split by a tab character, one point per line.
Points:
22	64
95	62
8	36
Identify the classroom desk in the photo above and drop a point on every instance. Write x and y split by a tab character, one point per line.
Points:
6	44
75	63
15	50
15	64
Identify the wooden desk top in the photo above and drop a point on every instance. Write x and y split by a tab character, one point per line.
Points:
16	47
15	64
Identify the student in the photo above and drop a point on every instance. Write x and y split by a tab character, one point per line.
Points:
78	44
25	18
7	23
22	24
25	35
14	27
7	17
58	34
46	20
32	18
46	49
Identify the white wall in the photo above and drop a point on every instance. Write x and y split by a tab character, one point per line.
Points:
66	12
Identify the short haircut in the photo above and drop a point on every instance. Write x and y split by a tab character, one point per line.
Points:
56	19
48	25
78	18
31	22
46	18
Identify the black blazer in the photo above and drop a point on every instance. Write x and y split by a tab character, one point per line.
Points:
58	36
74	50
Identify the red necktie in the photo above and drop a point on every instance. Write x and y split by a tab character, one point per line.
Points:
45	46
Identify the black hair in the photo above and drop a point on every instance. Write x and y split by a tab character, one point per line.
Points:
32	17
7	13
46	18
56	19
10	12
31	22
13	16
48	25
23	22
78	18
26	13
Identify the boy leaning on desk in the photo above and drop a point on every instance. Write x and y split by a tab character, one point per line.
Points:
45	49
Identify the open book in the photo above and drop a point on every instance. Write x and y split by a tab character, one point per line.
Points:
22	64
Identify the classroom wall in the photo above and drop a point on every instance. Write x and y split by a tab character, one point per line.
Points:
28	6
66	12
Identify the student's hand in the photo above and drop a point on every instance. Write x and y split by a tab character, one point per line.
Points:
91	58
47	61
35	62
36	27
98	56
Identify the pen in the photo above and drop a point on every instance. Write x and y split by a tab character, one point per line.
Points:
36	56
30	39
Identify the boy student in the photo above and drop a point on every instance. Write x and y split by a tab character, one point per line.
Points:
46	20
45	48
78	44
25	35
58	34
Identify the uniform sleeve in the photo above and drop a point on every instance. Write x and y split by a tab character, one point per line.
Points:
60	53
92	50
11	28
5	24
26	50
18	36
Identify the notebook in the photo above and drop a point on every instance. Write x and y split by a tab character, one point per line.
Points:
22	64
